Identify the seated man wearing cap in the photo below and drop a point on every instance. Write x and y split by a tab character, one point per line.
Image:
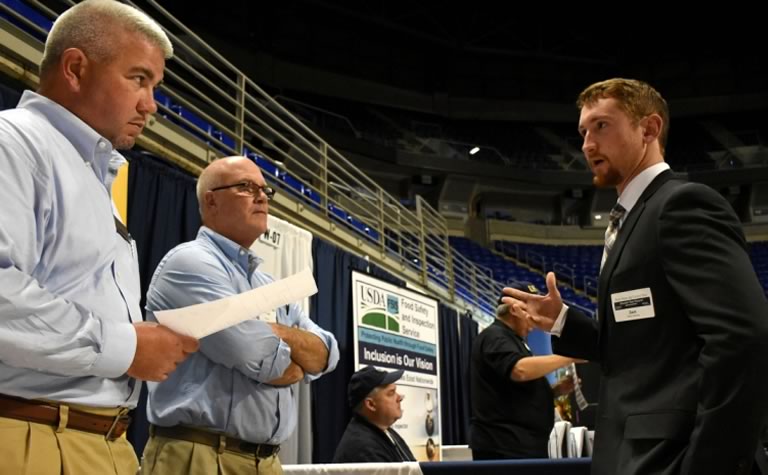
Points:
375	404
512	402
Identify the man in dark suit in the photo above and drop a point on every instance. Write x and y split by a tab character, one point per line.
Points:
682	328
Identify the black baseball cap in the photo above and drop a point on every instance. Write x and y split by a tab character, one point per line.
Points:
366	380
521	286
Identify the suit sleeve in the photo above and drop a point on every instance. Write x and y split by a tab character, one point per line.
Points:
704	255
579	338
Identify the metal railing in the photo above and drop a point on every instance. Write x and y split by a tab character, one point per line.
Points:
535	260
565	273
590	286
208	108
321	117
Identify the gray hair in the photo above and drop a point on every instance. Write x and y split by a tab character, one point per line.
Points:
502	310
89	26
210	178
205	182
358	409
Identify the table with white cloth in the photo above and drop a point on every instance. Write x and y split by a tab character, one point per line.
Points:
576	466
403	468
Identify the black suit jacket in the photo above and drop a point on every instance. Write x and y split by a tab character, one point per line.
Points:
683	392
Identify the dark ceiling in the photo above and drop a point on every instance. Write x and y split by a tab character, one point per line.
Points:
478	50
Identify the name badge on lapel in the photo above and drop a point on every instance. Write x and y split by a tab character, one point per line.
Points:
632	305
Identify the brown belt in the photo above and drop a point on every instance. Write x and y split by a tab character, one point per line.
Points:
219	441
47	413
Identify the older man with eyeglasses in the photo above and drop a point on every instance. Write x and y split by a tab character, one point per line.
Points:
228	409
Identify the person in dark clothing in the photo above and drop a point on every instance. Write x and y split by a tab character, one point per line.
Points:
512	401
375	403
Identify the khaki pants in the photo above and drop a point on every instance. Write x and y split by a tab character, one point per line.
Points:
164	456
27	448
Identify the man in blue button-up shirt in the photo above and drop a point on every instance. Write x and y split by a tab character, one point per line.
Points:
229	407
71	335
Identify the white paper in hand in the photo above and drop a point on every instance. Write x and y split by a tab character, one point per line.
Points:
204	319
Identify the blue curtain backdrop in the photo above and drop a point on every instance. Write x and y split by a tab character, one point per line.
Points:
331	308
162	212
456	336
9	95
468	330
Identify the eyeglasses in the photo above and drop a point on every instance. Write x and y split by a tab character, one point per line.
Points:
250	188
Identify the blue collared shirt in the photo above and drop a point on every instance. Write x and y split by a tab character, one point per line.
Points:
69	283
224	386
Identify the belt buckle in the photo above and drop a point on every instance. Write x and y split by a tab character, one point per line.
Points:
259	450
266	451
